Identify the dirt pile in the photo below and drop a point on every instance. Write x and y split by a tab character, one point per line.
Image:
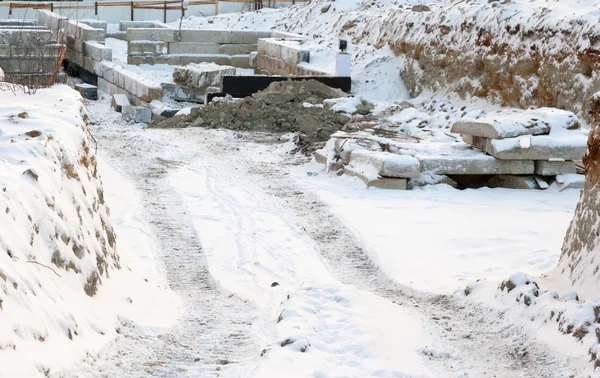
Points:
290	106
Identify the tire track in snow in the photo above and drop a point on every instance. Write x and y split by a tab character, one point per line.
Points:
475	339
215	326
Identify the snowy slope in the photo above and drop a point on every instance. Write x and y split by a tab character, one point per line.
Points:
58	246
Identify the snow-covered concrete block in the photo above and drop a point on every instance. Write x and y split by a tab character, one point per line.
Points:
96	24
119	101
553	168
386	164
201	76
282	34
513	182
366	176
570	181
137	114
87	91
194	48
97	51
153	34
566	146
237	49
474	165
125	25
517	123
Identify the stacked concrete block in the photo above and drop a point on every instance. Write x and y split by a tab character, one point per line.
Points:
27	50
225	47
551	139
284	56
114	79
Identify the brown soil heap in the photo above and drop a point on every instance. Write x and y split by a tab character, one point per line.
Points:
290	106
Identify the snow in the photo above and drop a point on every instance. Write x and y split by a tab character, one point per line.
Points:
47	321
449	236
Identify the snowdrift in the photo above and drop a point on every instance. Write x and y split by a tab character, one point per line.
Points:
57	244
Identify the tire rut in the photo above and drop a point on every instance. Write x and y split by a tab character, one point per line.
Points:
214	330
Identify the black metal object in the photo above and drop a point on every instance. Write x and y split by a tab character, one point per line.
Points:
343	45
243	86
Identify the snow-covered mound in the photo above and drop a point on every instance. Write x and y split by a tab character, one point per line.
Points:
57	244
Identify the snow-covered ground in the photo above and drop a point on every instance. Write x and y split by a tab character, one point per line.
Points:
54	227
331	271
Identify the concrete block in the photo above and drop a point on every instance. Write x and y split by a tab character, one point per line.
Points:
89	64
282	34
570	181
96	24
224	60
201	76
566	146
554	168
119	101
137	114
124	25
237	49
97	51
380	182
188	94
386	164
513	182
203	35
241	61
5	51
294	55
120	35
474	165
87	91
152	34
194	48
252	36
24	37
518	123
51	51
269	47
145	48
253	59
26	65
74	44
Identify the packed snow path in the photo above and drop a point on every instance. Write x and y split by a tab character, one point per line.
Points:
222	332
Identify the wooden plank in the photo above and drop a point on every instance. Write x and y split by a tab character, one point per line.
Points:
159	8
251	84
